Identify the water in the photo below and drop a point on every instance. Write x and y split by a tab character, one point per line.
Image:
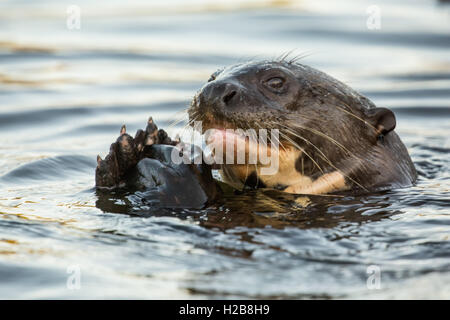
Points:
64	95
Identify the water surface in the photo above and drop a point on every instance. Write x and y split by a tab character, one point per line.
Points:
65	93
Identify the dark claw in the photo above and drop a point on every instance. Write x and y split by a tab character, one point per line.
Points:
126	152
139	139
151	129
107	172
123	155
163	138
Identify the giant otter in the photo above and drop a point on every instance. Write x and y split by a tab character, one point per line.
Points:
331	138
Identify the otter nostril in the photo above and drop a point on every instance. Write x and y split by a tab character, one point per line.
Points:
229	96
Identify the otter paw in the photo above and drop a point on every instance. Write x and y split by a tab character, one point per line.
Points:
153	135
166	183
126	152
123	155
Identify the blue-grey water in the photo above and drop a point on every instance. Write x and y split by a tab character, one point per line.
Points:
64	93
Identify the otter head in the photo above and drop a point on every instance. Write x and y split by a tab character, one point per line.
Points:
324	126
251	95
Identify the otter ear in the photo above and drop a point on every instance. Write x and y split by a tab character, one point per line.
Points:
382	119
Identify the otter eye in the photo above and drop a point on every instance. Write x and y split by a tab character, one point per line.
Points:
275	83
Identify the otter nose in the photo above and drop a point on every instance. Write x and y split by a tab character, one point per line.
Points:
220	93
228	95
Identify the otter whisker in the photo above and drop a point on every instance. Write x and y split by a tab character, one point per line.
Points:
283	56
252	132
300	56
307	141
248	163
278	139
194	117
355	116
326	137
349	112
325	157
176	121
295	144
279	143
270	140
333	141
188	124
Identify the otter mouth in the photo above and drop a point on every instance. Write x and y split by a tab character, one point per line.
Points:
236	137
210	121
217	126
231	143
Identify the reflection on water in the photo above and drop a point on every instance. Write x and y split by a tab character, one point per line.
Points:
64	95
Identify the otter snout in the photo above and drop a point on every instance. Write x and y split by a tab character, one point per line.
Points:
222	94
